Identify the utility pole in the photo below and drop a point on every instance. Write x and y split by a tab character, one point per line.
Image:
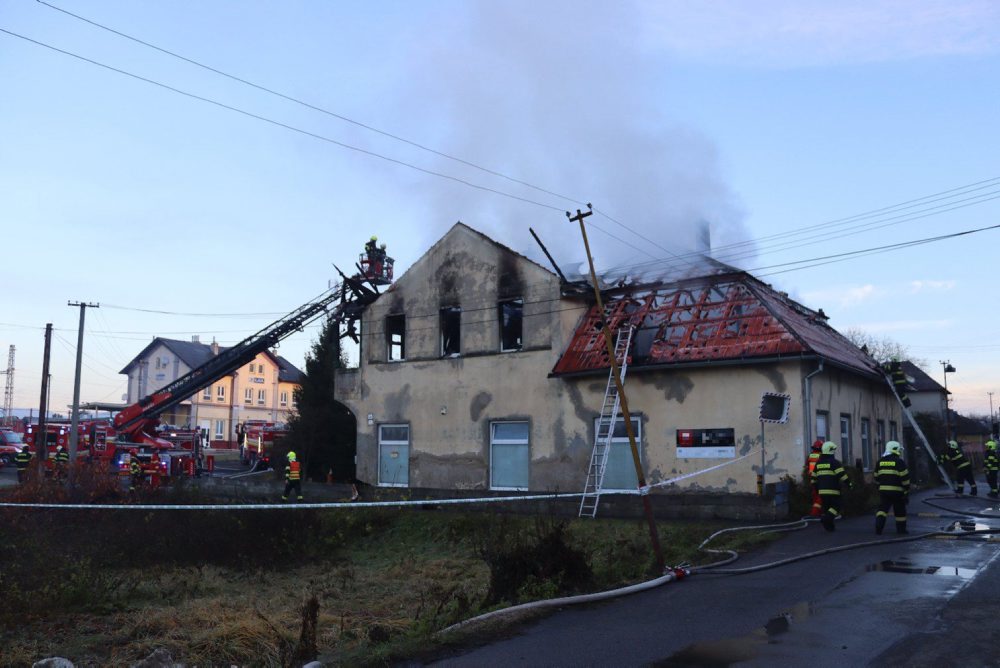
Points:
993	428
8	390
75	422
41	437
643	488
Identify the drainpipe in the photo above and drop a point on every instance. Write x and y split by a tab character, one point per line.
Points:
807	401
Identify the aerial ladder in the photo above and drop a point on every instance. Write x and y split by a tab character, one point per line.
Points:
344	302
893	374
605	431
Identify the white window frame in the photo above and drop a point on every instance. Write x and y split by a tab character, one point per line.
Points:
220	429
824	418
283	398
866	444
846	451
406	443
248	395
621	441
526	442
206	394
261	397
220	392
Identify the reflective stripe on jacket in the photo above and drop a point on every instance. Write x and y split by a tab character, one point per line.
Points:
992	461
292	471
828	476
957	458
892	474
21	460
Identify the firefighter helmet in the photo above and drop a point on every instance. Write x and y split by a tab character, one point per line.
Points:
817	445
291	456
25	449
829	448
953	444
374	238
991	445
893	448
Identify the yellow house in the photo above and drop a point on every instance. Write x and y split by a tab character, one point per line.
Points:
262	389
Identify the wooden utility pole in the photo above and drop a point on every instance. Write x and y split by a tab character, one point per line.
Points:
647	506
74	436
41	436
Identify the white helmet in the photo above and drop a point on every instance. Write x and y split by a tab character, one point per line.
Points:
893	448
829	448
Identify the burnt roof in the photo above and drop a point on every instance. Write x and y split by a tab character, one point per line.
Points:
725	316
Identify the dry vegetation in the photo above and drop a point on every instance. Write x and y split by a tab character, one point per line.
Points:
248	588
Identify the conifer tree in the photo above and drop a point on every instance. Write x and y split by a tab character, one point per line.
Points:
322	431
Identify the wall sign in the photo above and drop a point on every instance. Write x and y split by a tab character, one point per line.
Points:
719	443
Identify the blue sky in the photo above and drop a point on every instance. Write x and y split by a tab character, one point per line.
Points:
762	119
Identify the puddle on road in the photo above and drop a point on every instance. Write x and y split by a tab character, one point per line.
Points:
728	651
903	566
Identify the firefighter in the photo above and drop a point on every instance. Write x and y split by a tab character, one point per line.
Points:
962	466
992	464
814	454
893	480
293	478
21	460
827	478
136	470
61	462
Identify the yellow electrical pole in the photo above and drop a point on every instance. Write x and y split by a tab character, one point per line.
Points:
654	536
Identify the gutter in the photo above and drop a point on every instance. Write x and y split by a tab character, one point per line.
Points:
807	403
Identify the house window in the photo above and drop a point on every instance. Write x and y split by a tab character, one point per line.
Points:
394	455
248	396
206	394
219	429
879	437
220	392
893	431
261	397
619	472
451	331
395	337
509	455
510	314
866	444
847	454
823	426
283	398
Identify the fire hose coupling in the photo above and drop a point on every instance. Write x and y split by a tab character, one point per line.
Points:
644	490
680	572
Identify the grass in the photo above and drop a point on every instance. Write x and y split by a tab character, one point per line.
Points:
385	581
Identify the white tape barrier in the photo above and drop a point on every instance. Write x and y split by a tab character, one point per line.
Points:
360	504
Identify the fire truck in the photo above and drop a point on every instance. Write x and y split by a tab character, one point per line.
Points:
135	427
258	440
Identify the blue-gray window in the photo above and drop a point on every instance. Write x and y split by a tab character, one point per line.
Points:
866	443
846	451
394	455
893	430
510	455
619	474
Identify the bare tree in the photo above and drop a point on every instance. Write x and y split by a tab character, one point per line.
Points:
882	349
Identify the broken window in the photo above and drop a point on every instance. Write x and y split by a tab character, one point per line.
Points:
395	337
511	314
451	331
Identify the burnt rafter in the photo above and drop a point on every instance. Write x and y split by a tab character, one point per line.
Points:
719	318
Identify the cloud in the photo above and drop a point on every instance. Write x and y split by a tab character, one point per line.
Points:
844	297
903	325
795	33
932	286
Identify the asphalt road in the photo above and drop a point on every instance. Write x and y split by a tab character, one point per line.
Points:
893	604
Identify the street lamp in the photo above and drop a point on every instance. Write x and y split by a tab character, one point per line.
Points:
948	368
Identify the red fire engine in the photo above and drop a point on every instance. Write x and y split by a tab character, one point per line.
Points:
258	440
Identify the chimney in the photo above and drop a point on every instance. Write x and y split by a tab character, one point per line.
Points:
704	238
195	338
822	316
215	347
